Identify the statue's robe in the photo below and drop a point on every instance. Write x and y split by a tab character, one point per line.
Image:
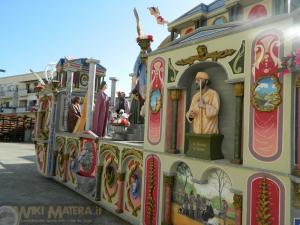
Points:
135	109
100	114
80	125
206	119
73	115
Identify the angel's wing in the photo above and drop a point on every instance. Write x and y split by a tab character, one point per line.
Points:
38	77
138	25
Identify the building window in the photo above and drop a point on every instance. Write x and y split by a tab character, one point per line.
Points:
220	20
257	11
23	103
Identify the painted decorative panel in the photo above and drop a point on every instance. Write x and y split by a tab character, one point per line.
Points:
110	178
133	187
87	160
41	154
266	111
73	151
266	200
151	190
210	202
155	100
60	159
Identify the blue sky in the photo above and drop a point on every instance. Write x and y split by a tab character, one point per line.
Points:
37	32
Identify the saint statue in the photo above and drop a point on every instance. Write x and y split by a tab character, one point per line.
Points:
137	102
74	113
101	111
204	109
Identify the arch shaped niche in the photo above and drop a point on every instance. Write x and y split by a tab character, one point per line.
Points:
218	77
202	201
132	167
257	11
109	159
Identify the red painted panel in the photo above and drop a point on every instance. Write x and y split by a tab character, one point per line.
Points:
265	127
257	11
151	190
156	83
272	199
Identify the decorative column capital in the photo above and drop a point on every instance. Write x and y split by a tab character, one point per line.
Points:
298	80
239	89
175	94
297	195
237	201
113	79
121	177
92	61
168	181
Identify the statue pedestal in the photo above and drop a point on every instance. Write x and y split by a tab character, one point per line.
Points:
119	133
205	146
135	132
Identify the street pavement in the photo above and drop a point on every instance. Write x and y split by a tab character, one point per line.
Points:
38	200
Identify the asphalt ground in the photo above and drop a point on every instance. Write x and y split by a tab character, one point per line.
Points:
27	198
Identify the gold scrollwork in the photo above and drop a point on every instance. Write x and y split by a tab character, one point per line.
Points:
203	55
110	148
132	152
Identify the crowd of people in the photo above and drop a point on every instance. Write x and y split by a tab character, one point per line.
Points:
200	208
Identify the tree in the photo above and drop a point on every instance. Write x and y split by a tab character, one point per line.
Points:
222	181
184	171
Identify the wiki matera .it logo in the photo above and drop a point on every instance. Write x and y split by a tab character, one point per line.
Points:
297	221
8	216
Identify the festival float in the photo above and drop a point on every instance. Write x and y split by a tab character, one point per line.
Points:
220	125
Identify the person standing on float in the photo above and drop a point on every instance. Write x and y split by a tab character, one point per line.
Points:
101	111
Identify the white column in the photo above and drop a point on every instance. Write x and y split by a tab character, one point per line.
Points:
113	90
69	89
91	92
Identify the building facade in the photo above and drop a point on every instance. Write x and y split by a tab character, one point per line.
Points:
17	94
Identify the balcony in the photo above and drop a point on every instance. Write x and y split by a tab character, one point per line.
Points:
22	92
8	110
9	94
21	109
